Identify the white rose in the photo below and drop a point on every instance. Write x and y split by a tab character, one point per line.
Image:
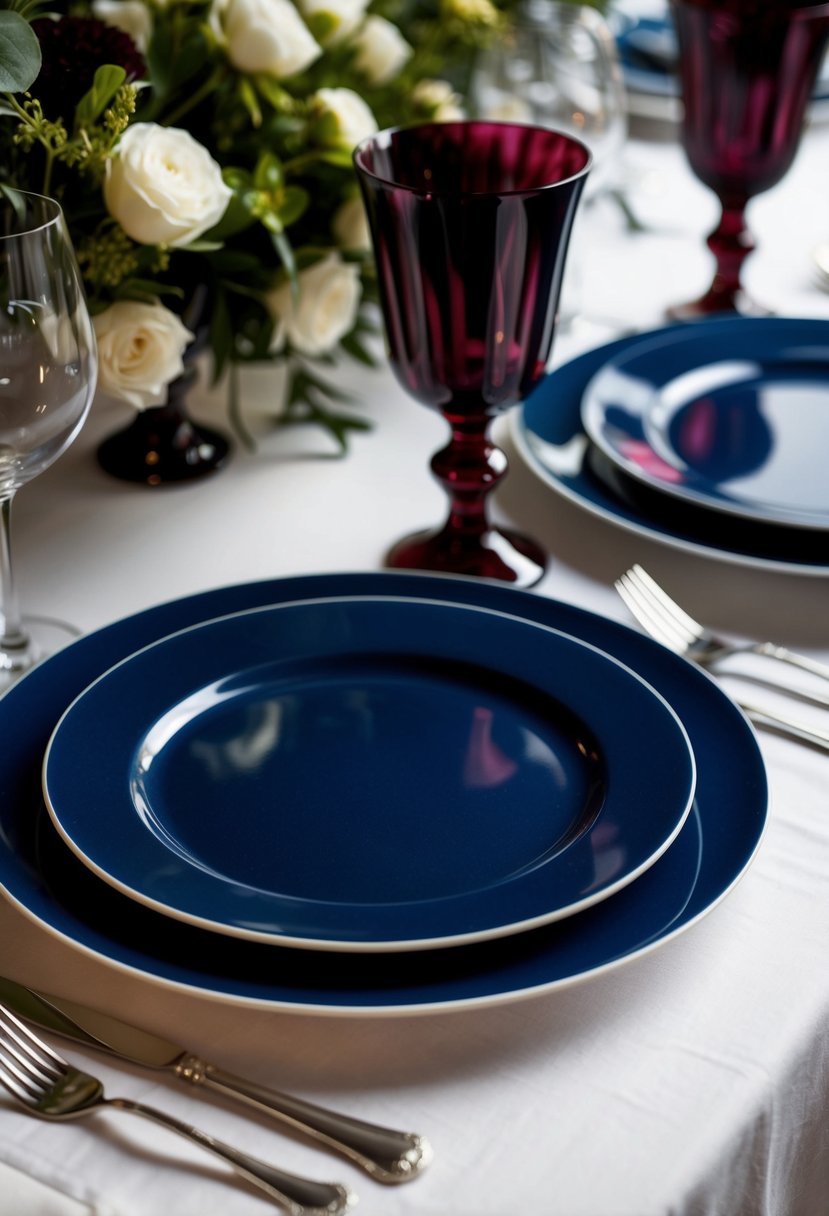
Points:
131	16
265	36
504	107
346	119
350	226
345	16
325	310
140	349
381	50
439	97
163	187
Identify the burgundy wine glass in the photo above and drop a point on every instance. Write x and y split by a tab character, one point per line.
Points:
746	69
470	223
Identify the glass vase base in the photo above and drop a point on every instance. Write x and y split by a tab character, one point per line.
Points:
44	636
499	554
163	449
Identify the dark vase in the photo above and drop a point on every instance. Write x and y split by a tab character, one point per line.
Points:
163	445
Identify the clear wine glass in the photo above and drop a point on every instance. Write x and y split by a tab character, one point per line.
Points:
557	66
470	223
746	70
48	369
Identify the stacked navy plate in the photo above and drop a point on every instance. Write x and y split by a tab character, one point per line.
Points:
709	437
372	793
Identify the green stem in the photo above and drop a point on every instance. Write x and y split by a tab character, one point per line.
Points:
234	409
17	107
47	172
298	163
212	82
27	119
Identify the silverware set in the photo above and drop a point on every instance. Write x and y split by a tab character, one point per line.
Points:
661	617
48	1086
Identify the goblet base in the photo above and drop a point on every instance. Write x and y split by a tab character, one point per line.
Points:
718	304
43	636
497	553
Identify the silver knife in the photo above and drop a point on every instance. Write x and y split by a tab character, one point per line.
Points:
386	1155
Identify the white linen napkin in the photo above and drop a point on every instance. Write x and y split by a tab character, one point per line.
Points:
31	1186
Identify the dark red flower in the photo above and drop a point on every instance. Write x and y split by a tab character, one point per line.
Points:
73	48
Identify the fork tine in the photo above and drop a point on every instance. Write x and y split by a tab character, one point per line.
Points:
659	612
11	1080
642	609
669	605
17	1071
35	1050
23	1064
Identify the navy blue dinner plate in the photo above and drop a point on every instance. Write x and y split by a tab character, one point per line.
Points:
550	433
47	881
369	773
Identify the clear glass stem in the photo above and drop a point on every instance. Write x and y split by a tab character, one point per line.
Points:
16	650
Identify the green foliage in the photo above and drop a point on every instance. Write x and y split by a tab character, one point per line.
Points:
19	53
285	162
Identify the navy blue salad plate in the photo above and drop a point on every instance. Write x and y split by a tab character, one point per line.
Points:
369	773
550	433
736	420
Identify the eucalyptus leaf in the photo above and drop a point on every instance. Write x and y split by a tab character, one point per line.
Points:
106	83
237	218
247	94
201	246
293	205
268	174
340	157
352	345
15	201
19	53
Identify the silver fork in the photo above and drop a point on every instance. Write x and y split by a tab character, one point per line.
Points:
47	1086
680	632
665	621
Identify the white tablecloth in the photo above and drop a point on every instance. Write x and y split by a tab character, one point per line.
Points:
691	1082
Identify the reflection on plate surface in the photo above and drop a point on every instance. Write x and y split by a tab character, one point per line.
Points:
369	774
550	434
733	420
49	884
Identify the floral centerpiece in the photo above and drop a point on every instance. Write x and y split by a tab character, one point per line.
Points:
201	150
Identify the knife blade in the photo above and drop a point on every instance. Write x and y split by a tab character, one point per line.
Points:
387	1155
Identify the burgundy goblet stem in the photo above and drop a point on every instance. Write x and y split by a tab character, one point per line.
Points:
468	468
470	223
747	69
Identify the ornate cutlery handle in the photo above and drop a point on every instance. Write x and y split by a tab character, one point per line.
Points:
387	1155
299	1196
787	726
794	660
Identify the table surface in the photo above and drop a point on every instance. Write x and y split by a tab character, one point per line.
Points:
689	1082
